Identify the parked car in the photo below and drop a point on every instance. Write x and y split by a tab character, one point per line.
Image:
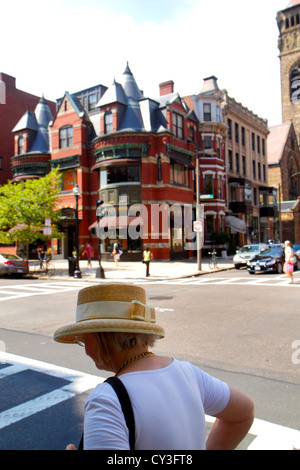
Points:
246	253
12	264
296	249
269	260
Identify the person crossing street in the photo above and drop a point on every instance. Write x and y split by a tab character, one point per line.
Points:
147	256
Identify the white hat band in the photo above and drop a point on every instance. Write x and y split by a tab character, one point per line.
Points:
110	309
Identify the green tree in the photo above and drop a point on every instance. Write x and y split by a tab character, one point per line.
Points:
24	207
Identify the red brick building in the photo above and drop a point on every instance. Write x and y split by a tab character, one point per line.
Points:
211	152
139	156
13	104
141	162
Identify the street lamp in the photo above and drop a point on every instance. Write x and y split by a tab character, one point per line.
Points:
99	215
77	192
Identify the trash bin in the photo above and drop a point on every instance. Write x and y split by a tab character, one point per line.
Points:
72	266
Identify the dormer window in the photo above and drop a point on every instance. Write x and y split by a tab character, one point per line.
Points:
20	145
108	122
92	101
65	137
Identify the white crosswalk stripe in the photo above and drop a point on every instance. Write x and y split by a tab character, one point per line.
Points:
28	290
78	383
18	291
274	281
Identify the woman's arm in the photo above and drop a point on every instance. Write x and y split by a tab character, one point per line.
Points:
232	424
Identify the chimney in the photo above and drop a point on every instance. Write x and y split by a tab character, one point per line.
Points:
166	87
210	84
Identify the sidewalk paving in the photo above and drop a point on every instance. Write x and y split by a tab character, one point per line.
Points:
136	270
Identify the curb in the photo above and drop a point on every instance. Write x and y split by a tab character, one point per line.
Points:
94	279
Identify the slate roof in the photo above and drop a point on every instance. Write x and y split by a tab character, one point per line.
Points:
27	121
37	122
43	117
140	113
114	94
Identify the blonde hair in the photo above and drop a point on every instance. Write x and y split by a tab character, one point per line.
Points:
288	243
118	341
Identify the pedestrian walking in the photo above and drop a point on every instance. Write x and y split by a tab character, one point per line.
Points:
289	261
89	252
41	255
147	256
116	253
169	397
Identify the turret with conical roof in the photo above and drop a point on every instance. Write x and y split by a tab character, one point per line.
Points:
33	129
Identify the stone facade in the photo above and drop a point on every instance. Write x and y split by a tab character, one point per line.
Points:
288	21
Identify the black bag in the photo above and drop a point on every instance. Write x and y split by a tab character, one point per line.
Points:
123	396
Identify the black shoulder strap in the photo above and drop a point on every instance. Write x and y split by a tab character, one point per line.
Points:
125	402
123	396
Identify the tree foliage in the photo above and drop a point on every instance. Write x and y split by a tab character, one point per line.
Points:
24	207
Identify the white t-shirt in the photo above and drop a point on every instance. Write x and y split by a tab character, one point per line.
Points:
169	406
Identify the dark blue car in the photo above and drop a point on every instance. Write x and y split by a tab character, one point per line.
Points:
268	261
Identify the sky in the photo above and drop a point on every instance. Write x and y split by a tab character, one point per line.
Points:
70	45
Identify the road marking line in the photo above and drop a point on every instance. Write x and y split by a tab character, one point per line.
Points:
29	408
269	436
79	383
13	369
41	289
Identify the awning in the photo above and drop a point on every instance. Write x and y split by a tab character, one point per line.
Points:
118	222
236	224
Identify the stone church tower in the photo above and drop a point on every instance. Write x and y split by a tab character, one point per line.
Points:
288	21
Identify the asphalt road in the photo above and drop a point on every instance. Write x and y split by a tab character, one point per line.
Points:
238	327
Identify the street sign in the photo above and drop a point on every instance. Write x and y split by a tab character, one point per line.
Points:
206	196
47	222
47	231
198	226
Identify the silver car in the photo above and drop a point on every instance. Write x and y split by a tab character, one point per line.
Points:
246	253
12	264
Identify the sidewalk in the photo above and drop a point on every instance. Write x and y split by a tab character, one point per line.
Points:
136	270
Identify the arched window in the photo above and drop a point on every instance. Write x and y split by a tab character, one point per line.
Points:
293	179
65	137
295	85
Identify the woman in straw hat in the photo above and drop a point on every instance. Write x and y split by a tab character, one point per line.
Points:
169	397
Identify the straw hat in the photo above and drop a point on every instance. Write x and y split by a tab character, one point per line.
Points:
110	307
